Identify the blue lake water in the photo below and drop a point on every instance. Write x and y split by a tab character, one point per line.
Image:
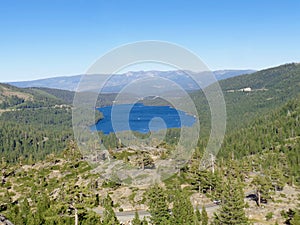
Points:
141	118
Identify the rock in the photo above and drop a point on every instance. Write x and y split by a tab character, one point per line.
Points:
4	221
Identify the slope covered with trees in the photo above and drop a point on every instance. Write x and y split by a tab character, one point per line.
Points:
277	134
34	124
45	180
270	88
16	98
250	95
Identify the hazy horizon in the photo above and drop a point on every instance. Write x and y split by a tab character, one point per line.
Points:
119	73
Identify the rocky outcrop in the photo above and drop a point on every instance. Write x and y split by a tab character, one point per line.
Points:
4	221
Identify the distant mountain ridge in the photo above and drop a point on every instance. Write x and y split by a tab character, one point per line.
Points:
118	81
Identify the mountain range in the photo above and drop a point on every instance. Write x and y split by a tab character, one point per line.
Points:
118	81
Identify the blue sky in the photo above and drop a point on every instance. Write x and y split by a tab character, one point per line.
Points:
46	38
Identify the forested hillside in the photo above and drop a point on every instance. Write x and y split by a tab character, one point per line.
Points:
253	180
251	95
15	98
66	96
32	134
34	123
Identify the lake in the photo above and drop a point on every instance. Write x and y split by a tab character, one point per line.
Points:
142	118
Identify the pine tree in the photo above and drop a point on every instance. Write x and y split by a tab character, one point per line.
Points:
232	211
91	218
158	208
136	220
183	211
296	219
25	210
263	186
277	178
109	216
30	219
203	180
204	216
19	220
16	216
197	217
43	205
144	222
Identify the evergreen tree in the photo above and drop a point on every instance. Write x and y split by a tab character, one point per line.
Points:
232	211
136	220
25	210
158	207
197	217
109	216
43	205
183	211
204	216
30	219
15	215
277	178
91	218
144	221
296	219
263	186
203	180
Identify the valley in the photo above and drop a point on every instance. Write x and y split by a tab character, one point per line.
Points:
255	178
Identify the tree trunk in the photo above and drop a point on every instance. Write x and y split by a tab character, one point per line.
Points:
76	217
258	197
